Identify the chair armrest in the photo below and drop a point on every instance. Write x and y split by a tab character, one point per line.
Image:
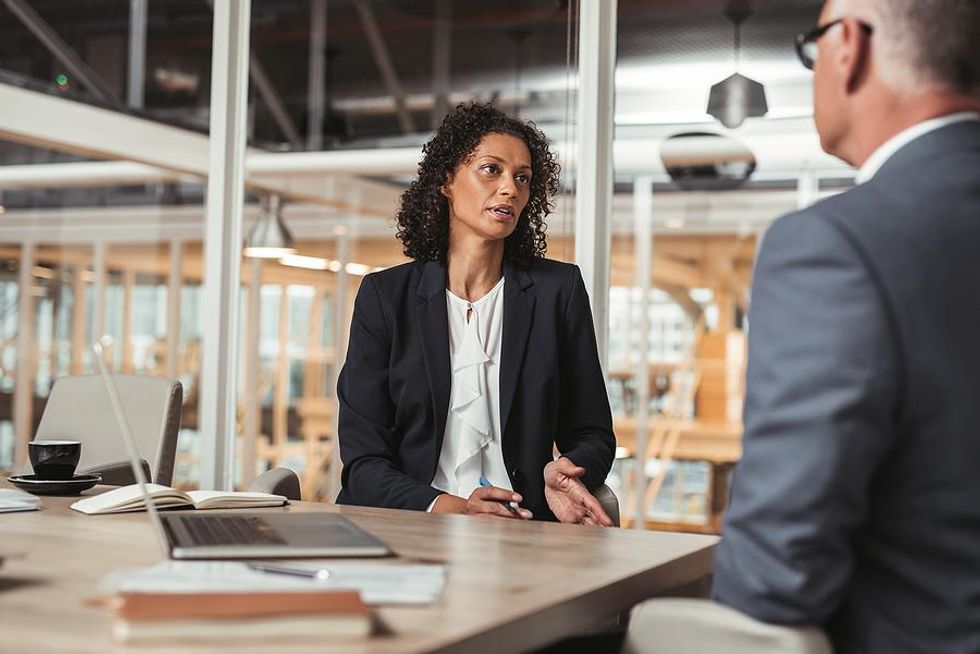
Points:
609	502
693	626
278	481
118	473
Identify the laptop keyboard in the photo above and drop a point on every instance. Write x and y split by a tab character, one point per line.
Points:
230	530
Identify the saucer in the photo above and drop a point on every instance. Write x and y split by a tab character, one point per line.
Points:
74	486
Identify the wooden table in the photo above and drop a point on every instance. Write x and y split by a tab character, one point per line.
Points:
512	586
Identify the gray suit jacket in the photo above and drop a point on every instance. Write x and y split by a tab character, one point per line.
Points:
857	501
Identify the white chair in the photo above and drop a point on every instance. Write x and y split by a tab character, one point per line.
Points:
697	626
78	409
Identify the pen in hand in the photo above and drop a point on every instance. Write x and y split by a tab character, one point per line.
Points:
513	507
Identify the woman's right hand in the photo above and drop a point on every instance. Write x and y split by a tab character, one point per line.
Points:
484	501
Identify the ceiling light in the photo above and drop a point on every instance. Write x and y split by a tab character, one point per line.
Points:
300	261
737	97
269	238
357	269
674	223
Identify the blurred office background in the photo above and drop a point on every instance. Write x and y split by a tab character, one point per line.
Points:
100	233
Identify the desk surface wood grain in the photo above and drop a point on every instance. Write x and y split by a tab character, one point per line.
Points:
512	586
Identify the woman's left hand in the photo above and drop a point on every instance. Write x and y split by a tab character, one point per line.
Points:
568	498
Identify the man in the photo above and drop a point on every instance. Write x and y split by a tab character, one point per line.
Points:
856	505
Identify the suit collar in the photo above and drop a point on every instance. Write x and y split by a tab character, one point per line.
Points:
922	142
433	279
518	317
433	323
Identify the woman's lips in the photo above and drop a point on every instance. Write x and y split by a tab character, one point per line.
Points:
502	212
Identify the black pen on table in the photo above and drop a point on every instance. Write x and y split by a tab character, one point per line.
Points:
513	507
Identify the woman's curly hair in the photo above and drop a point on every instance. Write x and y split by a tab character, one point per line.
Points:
423	215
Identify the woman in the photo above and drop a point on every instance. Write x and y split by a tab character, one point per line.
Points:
469	364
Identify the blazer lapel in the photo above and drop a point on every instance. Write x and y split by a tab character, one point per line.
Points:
518	315
433	322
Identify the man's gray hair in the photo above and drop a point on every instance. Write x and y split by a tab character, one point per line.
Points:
930	44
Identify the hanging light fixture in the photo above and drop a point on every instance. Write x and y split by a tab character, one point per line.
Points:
269	238
737	97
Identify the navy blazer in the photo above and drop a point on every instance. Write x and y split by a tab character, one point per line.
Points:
857	501
394	388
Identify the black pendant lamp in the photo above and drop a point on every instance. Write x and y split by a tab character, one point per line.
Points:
737	97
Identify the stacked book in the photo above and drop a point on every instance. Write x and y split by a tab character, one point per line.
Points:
237	617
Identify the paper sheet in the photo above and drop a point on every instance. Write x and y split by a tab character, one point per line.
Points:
15	500
378	583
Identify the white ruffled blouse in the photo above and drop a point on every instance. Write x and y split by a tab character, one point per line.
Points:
471	445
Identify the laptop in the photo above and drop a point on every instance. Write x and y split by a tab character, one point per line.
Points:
241	534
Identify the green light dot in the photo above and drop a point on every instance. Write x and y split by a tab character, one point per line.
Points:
61	79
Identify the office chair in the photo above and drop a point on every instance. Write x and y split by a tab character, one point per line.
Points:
278	481
78	409
609	502
697	626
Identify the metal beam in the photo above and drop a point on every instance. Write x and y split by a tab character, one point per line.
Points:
58	123
441	48
223	243
60	50
137	53
70	126
273	101
594	156
315	88
383	59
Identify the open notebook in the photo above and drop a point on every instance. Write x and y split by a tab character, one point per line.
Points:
129	498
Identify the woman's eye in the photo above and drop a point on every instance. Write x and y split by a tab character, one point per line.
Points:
523	179
491	169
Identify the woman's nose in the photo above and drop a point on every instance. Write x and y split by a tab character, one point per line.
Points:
507	186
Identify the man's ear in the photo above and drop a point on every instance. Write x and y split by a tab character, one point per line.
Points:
855	53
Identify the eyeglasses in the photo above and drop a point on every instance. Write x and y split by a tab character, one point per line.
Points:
806	42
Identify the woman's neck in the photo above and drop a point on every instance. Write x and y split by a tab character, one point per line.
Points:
472	272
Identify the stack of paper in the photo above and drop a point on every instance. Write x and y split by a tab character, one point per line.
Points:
377	583
12	499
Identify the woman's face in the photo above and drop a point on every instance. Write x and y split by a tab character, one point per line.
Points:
490	189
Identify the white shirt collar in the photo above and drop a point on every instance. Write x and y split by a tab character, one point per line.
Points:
906	136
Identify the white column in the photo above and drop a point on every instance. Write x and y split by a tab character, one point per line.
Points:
174	283
594	169
223	242
137	53
252	362
807	188
643	241
340	327
98	291
24	384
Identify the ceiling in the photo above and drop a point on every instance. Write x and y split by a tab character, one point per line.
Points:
515	53
512	51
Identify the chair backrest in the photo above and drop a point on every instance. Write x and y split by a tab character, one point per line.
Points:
78	409
610	503
696	626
